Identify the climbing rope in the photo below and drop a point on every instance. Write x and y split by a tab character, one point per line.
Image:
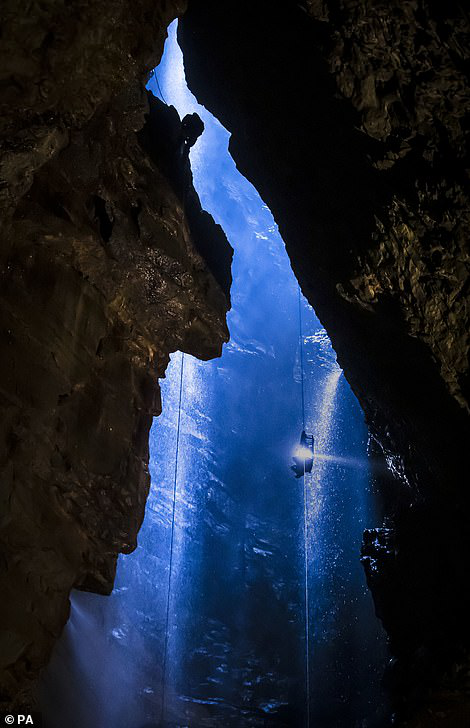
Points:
158	86
301	358
307	610
168	598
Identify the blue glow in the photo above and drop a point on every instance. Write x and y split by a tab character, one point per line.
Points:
236	647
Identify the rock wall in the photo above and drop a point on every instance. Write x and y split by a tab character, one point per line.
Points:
349	118
107	265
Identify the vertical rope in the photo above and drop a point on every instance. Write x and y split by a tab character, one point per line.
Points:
307	610
301	359
168	598
158	86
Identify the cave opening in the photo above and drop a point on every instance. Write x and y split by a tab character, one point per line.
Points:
207	622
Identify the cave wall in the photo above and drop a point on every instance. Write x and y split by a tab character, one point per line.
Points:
349	118
108	264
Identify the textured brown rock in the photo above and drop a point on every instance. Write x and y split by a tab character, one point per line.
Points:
405	74
348	117
101	278
59	63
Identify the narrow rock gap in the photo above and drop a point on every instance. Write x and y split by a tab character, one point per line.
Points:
236	647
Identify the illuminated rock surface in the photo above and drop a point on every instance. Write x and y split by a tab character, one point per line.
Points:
348	119
234	649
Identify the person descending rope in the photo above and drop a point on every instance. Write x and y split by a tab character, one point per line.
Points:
303	463
303	455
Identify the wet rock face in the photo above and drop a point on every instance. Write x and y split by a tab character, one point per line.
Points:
413	572
349	119
103	274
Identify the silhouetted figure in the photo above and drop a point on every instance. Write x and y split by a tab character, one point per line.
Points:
192	127
303	455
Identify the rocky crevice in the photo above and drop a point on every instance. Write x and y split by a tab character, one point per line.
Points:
349	119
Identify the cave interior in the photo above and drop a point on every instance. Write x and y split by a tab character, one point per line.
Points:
172	318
